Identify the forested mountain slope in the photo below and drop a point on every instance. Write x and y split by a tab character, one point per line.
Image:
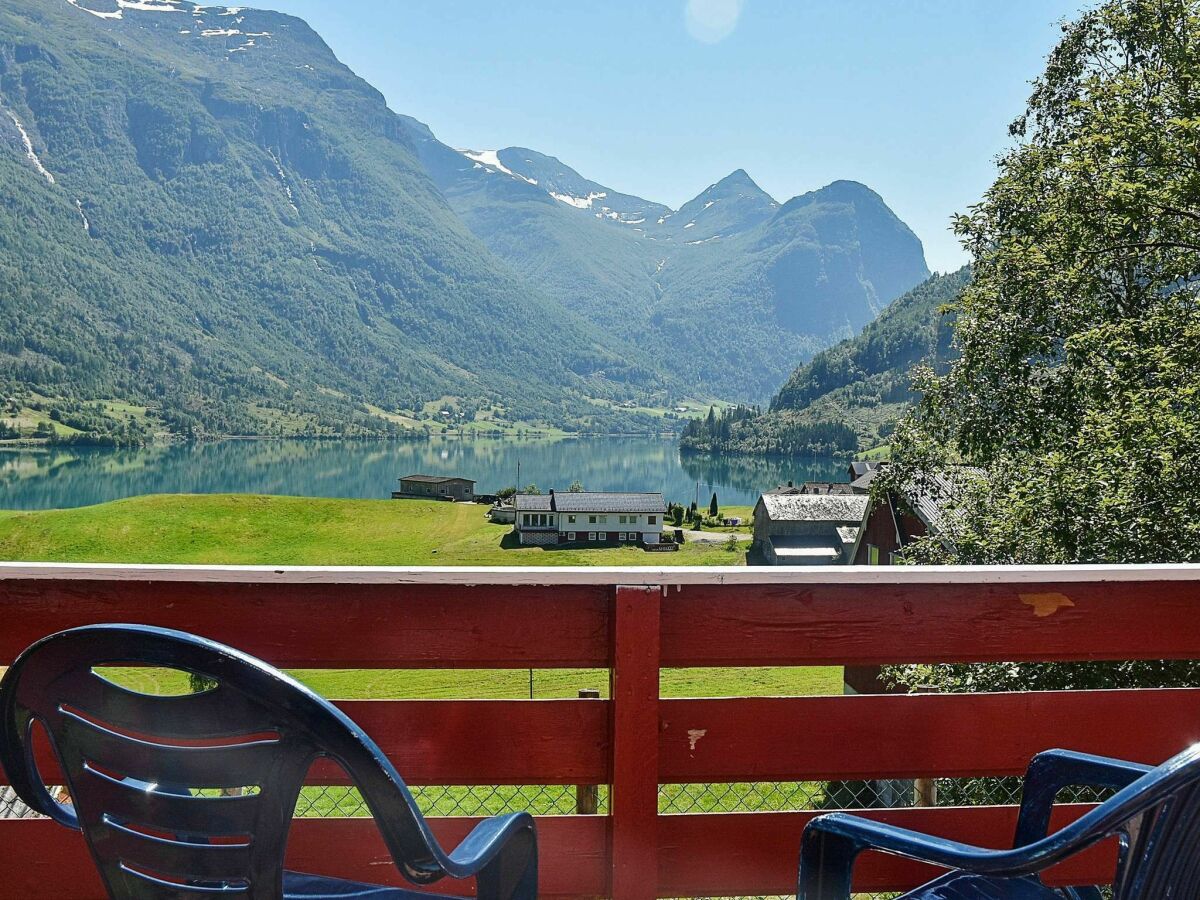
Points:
204	210
850	396
733	288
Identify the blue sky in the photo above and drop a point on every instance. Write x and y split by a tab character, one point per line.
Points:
661	98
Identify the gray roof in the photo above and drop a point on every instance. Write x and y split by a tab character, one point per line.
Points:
936	498
435	479
847	509
812	487
12	807
863	482
848	534
533	502
593	501
862	467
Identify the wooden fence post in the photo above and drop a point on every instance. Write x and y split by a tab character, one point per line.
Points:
925	789
587	796
633	801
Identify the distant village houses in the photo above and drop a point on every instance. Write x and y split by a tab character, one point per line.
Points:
590	517
435	487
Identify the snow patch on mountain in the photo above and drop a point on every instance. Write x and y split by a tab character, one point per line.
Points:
30	153
115	14
580	202
488	158
151	6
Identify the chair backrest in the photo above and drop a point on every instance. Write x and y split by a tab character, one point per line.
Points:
1160	845
189	794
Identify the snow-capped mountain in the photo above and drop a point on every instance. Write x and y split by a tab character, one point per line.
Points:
744	284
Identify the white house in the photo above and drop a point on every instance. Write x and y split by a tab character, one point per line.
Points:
590	517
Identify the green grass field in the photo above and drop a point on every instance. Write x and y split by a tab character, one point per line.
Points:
399	684
241	529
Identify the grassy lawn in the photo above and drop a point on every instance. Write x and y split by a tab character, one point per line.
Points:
270	530
242	529
348	684
513	684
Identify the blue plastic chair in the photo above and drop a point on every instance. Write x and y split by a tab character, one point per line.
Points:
150	777
1155	815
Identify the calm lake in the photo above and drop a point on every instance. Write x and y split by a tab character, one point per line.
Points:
60	477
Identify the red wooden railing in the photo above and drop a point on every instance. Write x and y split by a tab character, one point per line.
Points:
634	621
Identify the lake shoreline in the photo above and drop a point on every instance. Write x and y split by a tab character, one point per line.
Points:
62	476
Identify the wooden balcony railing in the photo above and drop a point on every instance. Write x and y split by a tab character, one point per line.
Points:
634	622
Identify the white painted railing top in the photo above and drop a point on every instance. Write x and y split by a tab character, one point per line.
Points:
629	575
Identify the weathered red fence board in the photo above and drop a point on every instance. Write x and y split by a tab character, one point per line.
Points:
474	741
466	619
740	854
875	624
911	736
699	855
55	864
334	626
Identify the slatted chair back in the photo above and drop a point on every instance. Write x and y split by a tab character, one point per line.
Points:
1160	853
187	795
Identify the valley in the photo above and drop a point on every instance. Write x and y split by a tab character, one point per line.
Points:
208	217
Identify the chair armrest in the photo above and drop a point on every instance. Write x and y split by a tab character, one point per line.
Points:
1050	772
501	852
832	842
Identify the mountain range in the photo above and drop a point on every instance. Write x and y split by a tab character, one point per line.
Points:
207	213
849	397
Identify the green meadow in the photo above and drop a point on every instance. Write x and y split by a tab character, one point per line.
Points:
243	529
276	530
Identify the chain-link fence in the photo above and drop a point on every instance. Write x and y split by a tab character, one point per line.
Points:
761	796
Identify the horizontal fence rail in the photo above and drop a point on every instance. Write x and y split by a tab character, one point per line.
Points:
634	623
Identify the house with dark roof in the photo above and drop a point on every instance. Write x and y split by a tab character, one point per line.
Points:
807	529
859	468
435	487
811	487
589	517
898	518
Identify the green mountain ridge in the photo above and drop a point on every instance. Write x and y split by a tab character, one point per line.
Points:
849	397
733	288
206	214
262	245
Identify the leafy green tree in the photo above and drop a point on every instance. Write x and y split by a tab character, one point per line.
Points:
576	487
1077	390
713	509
